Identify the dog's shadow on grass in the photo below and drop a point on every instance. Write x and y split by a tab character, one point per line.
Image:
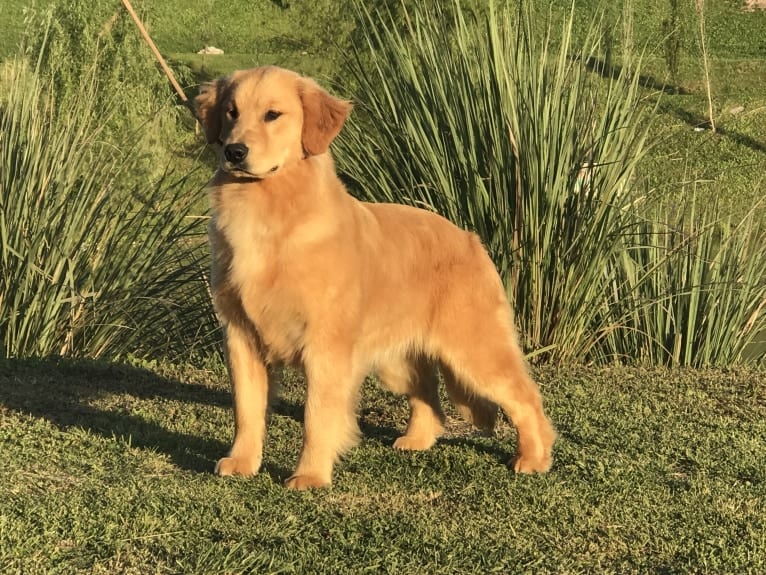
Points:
138	405
120	401
101	399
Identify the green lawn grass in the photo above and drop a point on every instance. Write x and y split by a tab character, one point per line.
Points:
11	25
727	167
107	469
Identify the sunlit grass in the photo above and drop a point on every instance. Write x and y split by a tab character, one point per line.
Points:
108	469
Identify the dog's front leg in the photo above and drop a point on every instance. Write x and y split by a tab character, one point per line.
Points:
250	387
330	426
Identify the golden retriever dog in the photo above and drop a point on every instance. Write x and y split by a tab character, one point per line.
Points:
305	273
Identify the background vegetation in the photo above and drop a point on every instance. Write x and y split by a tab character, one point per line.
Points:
93	262
563	237
544	162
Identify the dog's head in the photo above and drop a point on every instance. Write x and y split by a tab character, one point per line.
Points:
267	118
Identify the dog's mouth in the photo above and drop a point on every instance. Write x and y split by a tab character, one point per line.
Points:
241	172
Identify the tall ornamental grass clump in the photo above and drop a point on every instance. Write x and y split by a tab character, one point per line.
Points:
497	123
689	291
88	266
500	128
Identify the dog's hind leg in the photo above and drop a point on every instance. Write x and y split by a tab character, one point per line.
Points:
474	408
416	377
488	362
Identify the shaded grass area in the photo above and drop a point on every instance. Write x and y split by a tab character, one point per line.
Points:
726	167
107	470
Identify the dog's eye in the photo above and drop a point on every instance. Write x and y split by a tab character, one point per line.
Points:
271	115
233	113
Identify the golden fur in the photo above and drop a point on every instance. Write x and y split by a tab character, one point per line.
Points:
305	273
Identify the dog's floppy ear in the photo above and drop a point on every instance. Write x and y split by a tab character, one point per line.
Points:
209	102
323	117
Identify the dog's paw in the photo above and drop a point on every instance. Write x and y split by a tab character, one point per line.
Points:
414	443
236	466
526	464
303	482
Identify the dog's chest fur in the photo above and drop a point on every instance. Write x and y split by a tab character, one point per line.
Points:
254	278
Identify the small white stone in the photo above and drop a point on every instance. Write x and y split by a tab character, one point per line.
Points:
211	50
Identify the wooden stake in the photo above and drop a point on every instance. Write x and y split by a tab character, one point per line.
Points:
703	43
160	59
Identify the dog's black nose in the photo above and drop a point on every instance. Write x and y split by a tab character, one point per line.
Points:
235	153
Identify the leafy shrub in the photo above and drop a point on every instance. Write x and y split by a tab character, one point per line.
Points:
692	290
70	37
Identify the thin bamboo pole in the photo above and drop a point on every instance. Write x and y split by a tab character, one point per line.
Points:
160	59
703	43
